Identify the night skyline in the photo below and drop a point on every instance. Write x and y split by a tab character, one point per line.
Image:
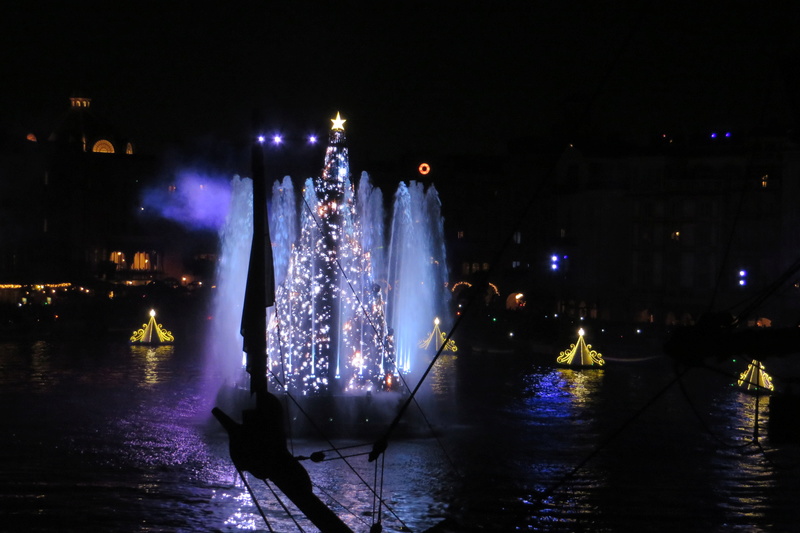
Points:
454	322
414	77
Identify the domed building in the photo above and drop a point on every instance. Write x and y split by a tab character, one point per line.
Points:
75	205
81	128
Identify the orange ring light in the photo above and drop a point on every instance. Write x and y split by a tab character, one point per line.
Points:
424	168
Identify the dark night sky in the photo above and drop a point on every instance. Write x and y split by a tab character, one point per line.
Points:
441	76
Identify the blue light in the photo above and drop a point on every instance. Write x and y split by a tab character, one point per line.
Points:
277	139
713	135
261	139
312	139
727	134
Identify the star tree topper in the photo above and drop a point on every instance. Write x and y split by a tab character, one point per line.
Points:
338	122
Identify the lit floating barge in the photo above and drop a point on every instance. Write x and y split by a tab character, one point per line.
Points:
755	379
580	355
152	333
438	337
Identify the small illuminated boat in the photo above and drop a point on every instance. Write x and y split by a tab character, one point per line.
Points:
152	333
580	355
755	379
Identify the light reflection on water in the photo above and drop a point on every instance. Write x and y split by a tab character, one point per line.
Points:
750	474
153	359
119	438
441	377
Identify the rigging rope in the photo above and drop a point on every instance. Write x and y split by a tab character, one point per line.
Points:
280	383
283	505
728	247
255	500
375	494
383	467
333	448
678	378
380	445
679	375
598	448
361	306
770	289
340	504
755	440
705	426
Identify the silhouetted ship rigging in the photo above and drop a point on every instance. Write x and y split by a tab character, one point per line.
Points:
721	336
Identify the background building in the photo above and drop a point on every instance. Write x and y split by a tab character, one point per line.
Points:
72	204
657	234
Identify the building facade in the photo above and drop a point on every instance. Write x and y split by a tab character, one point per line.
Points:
72	204
660	235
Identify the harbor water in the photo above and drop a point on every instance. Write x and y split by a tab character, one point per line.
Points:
104	436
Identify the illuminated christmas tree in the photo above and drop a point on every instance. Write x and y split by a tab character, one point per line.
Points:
329	333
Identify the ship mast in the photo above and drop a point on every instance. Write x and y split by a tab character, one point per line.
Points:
258	444
260	288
